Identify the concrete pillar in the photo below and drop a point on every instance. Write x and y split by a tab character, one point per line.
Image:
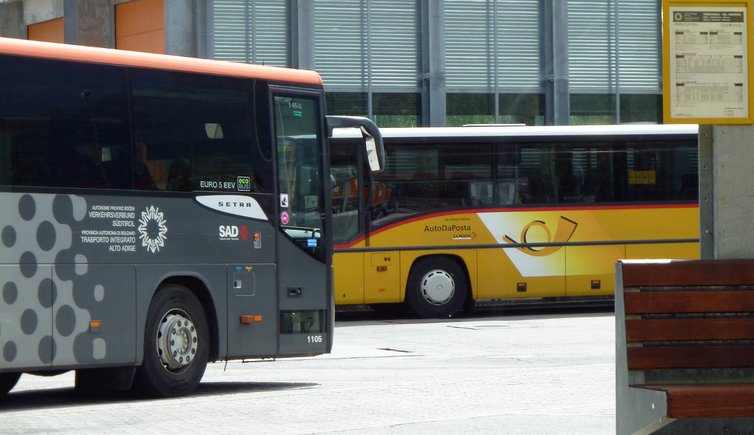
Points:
89	22
180	37
15	16
732	202
37	11
12	20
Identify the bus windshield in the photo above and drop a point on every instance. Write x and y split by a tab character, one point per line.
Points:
297	127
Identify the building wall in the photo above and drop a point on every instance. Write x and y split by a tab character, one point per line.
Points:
406	62
140	26
499	61
50	31
12	19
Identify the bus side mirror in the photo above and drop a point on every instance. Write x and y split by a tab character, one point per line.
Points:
369	131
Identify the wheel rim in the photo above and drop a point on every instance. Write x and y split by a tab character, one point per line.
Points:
438	287
177	340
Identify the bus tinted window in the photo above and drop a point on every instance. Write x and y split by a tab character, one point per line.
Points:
565	173
194	132
658	172
61	124
423	178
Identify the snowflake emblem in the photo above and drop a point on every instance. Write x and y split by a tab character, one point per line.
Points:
152	229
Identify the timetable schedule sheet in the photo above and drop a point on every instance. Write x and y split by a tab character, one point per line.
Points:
708	62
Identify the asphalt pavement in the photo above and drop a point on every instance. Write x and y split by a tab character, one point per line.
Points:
534	373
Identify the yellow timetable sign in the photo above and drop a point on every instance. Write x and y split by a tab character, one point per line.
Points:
706	52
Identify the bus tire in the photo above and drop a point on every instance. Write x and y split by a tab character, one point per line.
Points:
176	344
437	287
7	382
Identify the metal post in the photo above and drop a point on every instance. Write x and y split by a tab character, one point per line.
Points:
433	63
557	106
706	179
302	34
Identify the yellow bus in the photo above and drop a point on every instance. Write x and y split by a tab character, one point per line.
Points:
464	214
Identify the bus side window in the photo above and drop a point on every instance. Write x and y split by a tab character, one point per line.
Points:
117	169
179	175
505	193
690	186
79	166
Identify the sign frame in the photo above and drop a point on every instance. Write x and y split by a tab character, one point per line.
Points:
716	83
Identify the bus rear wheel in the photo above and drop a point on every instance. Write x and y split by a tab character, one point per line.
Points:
7	382
437	287
176	344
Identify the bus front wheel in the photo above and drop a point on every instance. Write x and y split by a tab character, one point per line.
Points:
437	287
7	382
176	344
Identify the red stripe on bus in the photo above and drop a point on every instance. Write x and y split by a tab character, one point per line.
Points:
513	210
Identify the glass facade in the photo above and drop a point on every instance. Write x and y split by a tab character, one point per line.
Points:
493	61
251	31
473	61
614	55
368	54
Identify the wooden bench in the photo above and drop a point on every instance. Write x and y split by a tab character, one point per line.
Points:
685	346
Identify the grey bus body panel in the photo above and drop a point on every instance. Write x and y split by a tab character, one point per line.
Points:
252	292
302	283
68	260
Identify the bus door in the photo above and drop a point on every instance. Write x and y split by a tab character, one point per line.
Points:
381	267
349	222
304	288
280	305
363	274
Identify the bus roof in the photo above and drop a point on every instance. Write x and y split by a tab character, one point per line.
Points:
518	131
108	56
539	131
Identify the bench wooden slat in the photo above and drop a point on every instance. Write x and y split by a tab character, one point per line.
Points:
661	302
691	329
708	400
689	356
688	273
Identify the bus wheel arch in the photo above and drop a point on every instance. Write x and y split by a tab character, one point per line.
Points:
437	286
176	343
200	290
8	381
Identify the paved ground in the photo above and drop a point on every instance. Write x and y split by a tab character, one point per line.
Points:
520	374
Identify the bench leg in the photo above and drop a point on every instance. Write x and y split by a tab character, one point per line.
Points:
640	411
